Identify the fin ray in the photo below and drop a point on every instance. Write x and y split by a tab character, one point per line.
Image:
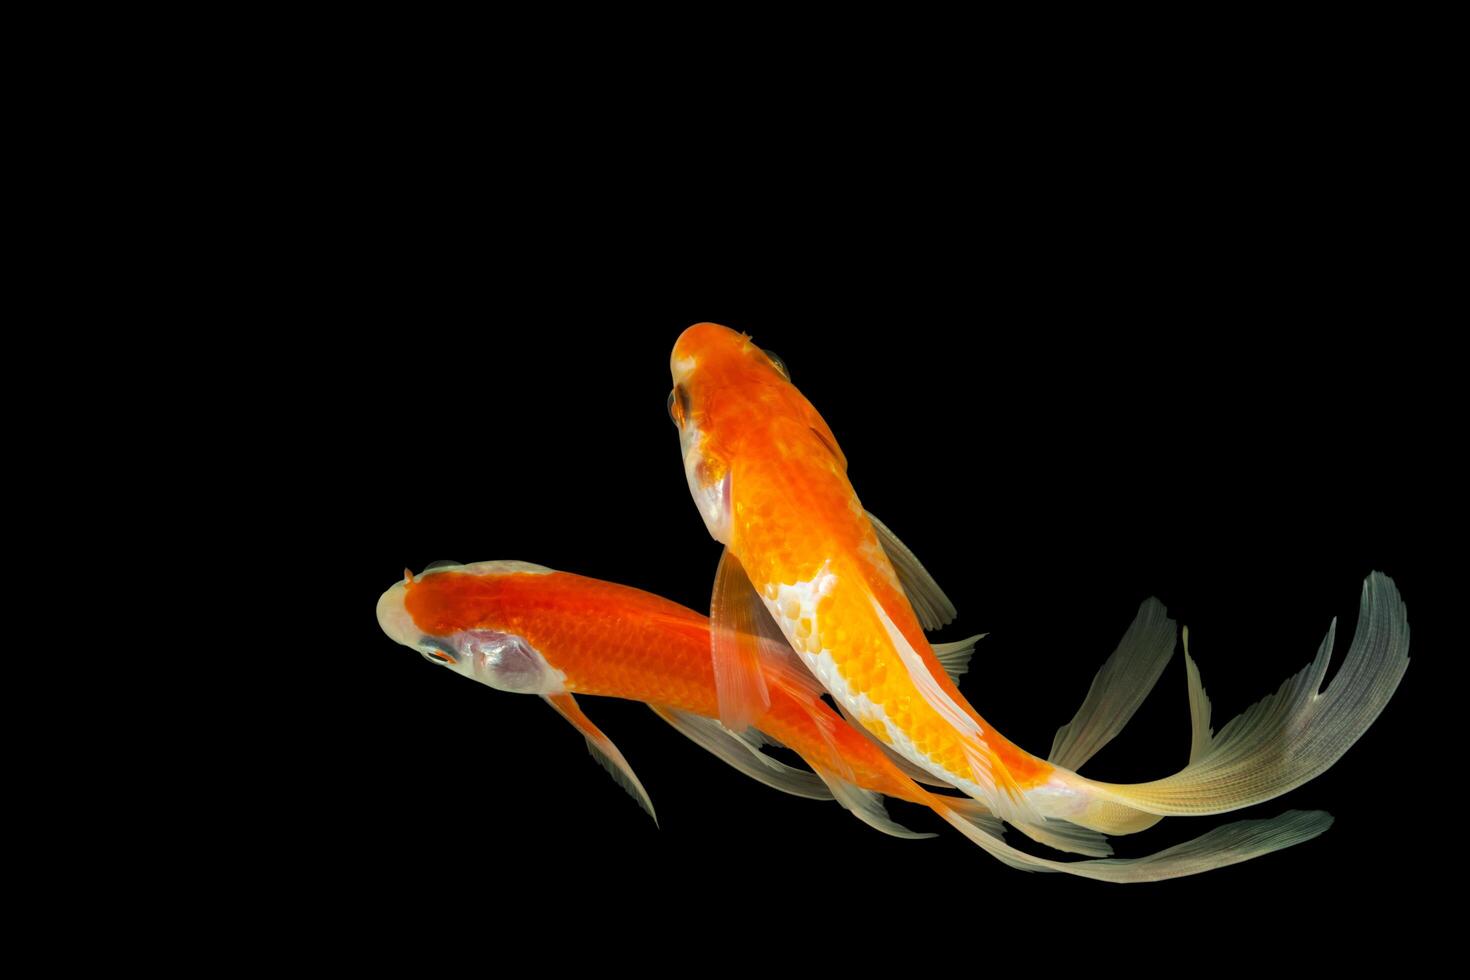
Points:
603	750
1243	840
1285	739
738	618
931	605
1121	685
867	806
955	657
742	754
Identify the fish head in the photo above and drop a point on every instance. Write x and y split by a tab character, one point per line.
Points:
454	616
721	378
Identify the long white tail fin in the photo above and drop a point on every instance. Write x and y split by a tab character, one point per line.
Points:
1288	738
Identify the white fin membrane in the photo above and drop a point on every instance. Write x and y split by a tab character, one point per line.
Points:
1233	843
867	806
1121	685
955	657
1284	740
737	618
1199	707
1067	836
741	753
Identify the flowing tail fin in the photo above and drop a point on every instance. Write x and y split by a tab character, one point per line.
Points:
1230	844
1281	741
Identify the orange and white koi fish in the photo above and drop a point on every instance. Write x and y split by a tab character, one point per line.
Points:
527	629
771	483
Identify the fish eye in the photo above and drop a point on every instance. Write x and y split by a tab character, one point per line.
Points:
778	364
433	650
678	405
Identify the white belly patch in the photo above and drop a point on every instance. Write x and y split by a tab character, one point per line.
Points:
794	607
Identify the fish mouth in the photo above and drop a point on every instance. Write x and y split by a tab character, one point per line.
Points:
394	619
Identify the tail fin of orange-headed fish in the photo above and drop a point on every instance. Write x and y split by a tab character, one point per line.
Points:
1272	747
1230	844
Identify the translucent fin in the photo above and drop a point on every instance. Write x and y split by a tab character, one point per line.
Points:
826	725
955	657
867	806
1120	686
929	601
741	753
759	738
603	750
1284	740
1230	844
738	618
1066	836
1199	707
977	814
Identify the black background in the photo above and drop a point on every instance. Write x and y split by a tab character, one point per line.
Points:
1056	444
1071	370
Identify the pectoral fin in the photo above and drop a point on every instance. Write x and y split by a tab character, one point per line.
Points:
738	622
603	750
929	601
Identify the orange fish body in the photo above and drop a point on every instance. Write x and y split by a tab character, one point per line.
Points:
784	507
600	638
771	483
528	629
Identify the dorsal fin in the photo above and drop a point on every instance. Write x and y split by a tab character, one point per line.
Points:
930	603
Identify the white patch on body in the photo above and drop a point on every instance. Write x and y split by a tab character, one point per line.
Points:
1059	797
712	500
801	598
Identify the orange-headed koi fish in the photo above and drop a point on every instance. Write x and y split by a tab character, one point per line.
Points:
526	629
804	561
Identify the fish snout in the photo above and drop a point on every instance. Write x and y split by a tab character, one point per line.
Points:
394	619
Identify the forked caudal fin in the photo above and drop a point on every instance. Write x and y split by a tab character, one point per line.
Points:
1286	739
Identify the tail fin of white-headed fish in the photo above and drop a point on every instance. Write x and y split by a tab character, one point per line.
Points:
1242	840
1279	742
